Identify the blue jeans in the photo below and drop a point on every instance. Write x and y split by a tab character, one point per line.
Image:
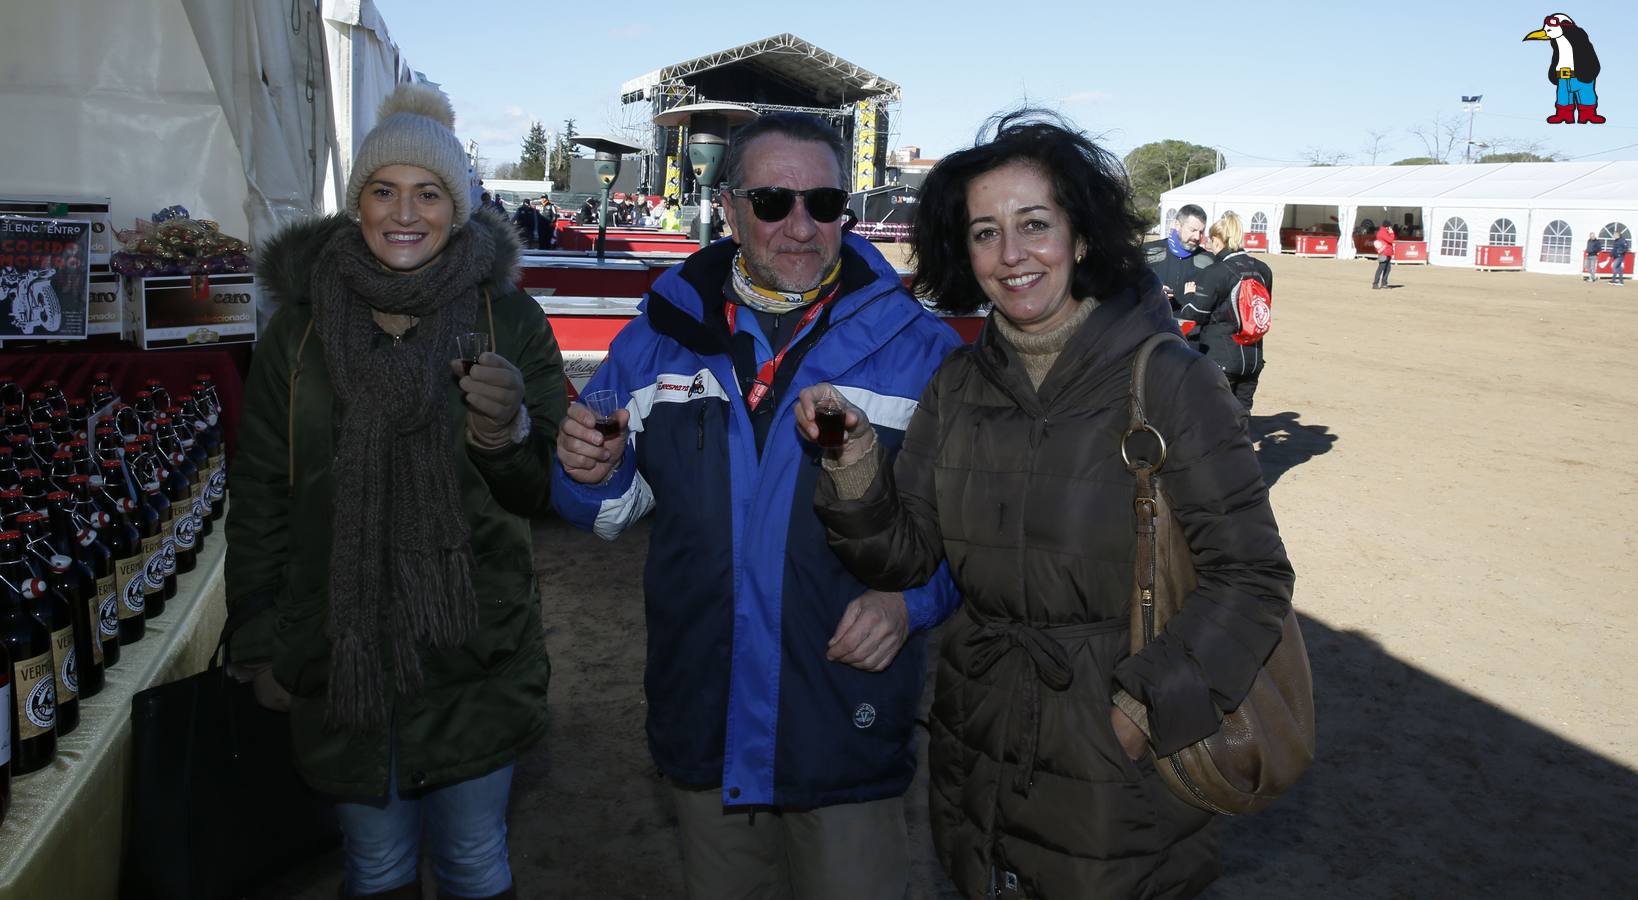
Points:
465	829
1574	90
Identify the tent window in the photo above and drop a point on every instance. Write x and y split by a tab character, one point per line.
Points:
1453	238
1557	242
1171	216
1366	226
1613	231
1503	233
1259	223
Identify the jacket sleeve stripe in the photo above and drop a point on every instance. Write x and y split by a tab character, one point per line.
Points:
883	410
619	513
672	387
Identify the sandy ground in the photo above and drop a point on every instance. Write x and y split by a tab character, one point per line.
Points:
1453	463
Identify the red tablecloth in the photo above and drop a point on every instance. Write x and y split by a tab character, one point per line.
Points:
75	367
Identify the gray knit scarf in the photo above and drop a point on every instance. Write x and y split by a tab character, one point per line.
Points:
400	555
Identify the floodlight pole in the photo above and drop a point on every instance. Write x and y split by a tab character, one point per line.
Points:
1472	111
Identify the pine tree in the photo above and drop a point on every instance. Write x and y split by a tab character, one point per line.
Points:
558	168
532	164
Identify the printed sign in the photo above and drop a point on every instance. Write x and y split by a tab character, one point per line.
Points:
91	210
45	283
106	309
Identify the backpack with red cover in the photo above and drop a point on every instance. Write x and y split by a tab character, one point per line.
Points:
1253	310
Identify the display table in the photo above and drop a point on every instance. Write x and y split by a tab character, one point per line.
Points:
75	364
65	835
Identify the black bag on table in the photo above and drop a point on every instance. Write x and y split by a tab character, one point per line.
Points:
217	804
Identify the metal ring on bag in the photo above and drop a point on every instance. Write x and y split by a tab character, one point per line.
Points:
1144	427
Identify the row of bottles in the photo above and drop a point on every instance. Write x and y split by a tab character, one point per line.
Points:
102	505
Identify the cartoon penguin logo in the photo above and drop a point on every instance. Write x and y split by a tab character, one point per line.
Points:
1573	69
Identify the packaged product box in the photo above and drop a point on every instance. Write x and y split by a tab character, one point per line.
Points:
170	311
106	312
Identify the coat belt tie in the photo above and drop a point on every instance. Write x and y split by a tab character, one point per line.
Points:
1049	663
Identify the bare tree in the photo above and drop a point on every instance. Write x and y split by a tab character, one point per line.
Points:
1375	142
1322	156
1441	137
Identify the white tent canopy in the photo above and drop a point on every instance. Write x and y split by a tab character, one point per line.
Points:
246	113
1546	208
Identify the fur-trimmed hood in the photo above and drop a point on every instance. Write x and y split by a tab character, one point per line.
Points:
284	267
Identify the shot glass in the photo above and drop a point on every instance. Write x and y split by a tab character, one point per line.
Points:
469	347
604	404
830	414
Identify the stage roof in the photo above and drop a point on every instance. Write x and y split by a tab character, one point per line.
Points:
798	69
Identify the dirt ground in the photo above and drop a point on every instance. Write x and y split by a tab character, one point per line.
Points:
1454	464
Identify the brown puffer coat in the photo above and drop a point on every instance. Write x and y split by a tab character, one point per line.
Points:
1024	492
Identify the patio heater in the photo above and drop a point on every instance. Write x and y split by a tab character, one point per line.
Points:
707	125
608	151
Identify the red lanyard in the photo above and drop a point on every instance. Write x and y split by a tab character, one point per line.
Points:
765	374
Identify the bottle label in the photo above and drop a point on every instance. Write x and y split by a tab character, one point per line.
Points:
94	619
5	724
130	585
217	489
36	696
107	609
167	551
153	564
185	532
68	673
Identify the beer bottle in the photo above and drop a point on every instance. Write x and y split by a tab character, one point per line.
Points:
53	611
150	528
54	395
16	420
79	420
62	430
11	506
62	468
184	534
125	544
101	384
10	477
33	678
72	578
44	442
144	467
10	391
39	408
8	712
192	430
92	532
34	490
210	408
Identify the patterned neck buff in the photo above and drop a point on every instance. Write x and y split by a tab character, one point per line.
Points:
774	302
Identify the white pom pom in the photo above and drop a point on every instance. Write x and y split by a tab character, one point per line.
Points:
420	100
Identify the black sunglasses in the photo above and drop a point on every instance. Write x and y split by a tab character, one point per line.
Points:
773	204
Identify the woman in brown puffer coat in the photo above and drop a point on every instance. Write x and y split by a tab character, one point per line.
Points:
1043	725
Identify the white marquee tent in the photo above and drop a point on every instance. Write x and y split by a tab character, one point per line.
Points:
246	112
1546	208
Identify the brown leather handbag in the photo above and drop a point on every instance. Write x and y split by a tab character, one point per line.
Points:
1265	744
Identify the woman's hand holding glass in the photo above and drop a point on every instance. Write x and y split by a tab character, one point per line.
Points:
824	417
494	398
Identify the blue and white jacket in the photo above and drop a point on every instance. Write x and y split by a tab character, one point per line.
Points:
742	591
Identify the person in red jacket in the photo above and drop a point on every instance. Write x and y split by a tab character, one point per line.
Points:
1384	255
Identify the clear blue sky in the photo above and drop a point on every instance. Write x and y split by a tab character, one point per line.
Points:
1264	82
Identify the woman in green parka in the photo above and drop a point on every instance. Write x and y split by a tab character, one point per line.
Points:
379	539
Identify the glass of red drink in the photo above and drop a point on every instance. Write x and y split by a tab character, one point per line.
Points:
469	347
830	414
604	404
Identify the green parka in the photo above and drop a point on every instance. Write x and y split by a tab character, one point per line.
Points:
483	702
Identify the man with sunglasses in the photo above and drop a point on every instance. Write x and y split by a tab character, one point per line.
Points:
782	693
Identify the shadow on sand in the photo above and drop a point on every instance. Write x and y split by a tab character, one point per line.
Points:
1287	443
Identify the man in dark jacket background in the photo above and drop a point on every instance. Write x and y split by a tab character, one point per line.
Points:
1212	309
1618	258
1178	259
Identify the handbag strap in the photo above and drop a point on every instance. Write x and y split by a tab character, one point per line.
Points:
242	612
1143	472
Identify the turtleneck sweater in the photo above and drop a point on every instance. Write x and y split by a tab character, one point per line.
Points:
1039	350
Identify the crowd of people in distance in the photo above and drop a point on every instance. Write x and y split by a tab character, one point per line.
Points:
832	473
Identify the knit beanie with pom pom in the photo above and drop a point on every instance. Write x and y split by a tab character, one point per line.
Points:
414	128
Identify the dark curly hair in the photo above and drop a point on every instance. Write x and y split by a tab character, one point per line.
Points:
1087	181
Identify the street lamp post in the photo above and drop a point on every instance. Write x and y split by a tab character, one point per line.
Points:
1471	106
707	125
608	152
